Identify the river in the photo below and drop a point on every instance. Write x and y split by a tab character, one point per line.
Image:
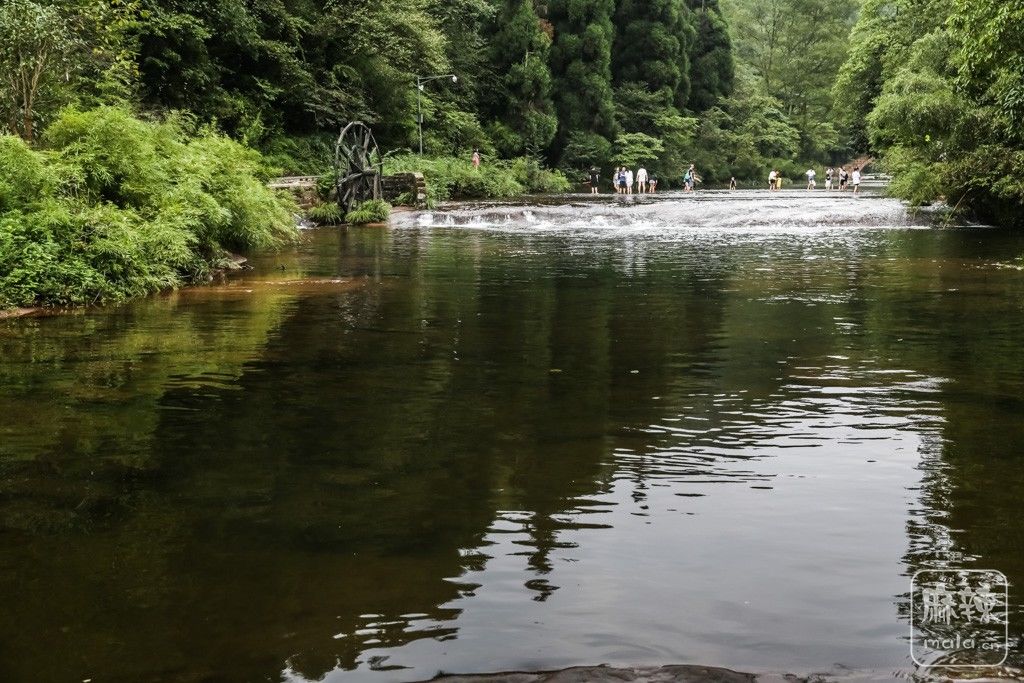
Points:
722	429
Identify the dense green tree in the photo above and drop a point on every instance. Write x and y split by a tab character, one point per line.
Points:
990	56
943	85
796	48
38	44
523	108
581	66
710	56
651	47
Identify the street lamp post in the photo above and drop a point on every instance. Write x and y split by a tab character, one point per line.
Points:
420	80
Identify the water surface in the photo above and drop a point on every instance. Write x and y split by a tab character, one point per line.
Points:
722	429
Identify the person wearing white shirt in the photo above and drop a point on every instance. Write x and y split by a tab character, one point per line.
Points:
856	181
641	180
629	181
811	175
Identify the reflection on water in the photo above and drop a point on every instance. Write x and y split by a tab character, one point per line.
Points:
722	430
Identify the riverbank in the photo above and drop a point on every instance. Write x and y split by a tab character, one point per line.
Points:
19	312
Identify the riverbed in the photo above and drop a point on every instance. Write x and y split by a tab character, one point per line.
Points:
723	429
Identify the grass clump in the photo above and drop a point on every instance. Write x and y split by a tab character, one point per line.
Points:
114	207
372	211
327	213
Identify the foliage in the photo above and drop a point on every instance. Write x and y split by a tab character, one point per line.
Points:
581	65
794	49
370	211
583	150
989	36
532	77
944	93
632	149
327	213
652	43
117	207
37	44
456	178
710	56
299	154
532	175
523	109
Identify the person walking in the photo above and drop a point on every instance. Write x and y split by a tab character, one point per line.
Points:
595	179
629	181
828	178
811	175
652	184
856	181
476	158
771	180
641	180
732	183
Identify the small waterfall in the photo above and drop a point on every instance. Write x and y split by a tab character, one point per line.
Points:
742	211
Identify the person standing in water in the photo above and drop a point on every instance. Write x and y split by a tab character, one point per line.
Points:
771	180
691	178
620	180
476	158
856	181
652	184
641	180
811	175
595	179
629	181
828	178
732	183
844	179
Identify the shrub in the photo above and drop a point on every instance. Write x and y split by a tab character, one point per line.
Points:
535	178
118	207
372	211
455	178
24	177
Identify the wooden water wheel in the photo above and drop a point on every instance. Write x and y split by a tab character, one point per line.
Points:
356	176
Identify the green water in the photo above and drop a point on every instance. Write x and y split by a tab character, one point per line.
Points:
723	430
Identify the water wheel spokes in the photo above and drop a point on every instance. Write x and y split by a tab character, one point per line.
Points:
358	179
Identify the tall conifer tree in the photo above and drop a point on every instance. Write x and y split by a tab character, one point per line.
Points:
520	56
710	56
652	44
581	66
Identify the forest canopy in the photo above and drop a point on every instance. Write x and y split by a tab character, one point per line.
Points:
570	83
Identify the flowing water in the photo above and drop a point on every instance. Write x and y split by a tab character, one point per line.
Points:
722	429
